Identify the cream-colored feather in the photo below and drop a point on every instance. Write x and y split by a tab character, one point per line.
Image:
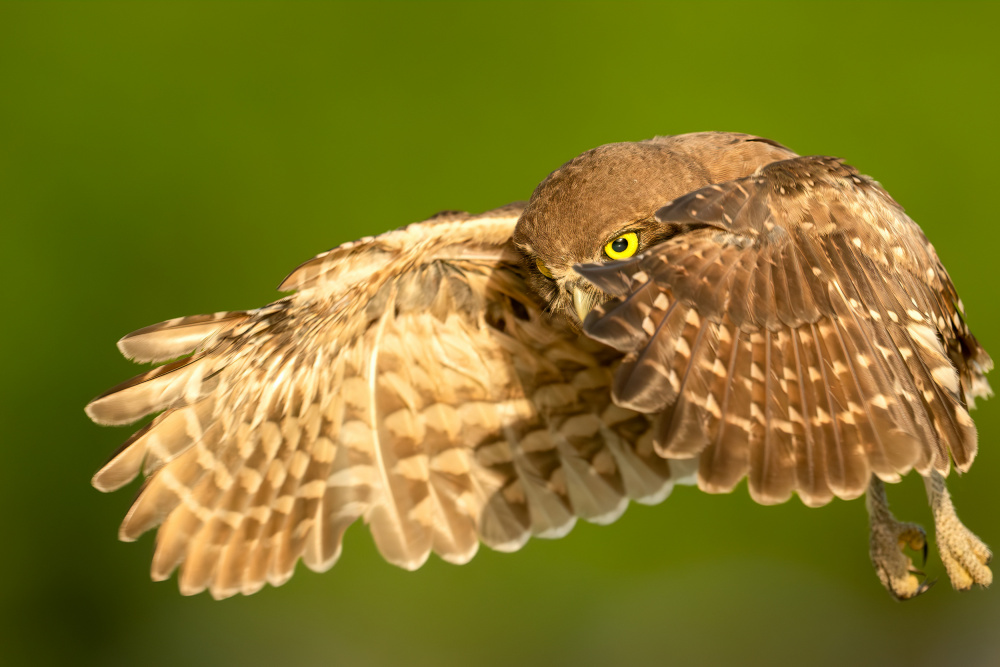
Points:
412	382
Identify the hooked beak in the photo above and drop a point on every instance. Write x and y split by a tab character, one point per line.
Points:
583	301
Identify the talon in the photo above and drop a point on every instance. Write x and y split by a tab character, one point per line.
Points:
913	536
924	587
965	556
915	585
888	543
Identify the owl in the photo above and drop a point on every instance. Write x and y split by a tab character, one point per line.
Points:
695	309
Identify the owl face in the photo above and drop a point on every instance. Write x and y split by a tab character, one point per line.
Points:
550	269
597	208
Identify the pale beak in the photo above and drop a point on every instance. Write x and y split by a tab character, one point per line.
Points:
583	301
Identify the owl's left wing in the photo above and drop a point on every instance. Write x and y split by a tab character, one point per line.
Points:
798	329
412	380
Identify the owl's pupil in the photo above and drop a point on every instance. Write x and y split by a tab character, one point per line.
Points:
620	244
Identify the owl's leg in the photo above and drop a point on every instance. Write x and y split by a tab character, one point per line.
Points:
964	555
888	538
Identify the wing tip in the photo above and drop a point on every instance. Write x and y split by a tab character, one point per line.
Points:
134	348
111	478
461	557
100	411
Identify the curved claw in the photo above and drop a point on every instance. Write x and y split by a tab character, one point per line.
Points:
915	591
924	587
889	539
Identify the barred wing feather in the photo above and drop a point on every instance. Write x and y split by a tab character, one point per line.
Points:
412	380
787	333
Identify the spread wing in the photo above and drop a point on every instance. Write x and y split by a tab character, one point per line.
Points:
798	329
412	380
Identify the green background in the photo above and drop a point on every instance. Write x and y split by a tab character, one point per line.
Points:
163	160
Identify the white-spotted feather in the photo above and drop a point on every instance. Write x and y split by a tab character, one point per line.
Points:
852	355
412	381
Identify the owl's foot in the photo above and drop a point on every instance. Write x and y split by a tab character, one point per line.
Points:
889	537
964	555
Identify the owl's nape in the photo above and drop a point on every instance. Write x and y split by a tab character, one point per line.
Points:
485	379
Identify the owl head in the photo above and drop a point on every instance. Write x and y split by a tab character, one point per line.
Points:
600	206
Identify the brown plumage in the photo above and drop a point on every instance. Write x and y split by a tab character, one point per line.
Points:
779	318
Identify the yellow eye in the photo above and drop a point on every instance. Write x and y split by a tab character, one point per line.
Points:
623	246
544	270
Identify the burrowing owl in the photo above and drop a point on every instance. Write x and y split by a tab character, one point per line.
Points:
689	309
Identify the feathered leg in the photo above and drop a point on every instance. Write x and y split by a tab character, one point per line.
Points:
889	537
964	555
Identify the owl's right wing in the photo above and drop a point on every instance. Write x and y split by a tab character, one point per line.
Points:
412	380
799	330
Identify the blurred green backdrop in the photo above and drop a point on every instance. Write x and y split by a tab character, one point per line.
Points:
159	160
